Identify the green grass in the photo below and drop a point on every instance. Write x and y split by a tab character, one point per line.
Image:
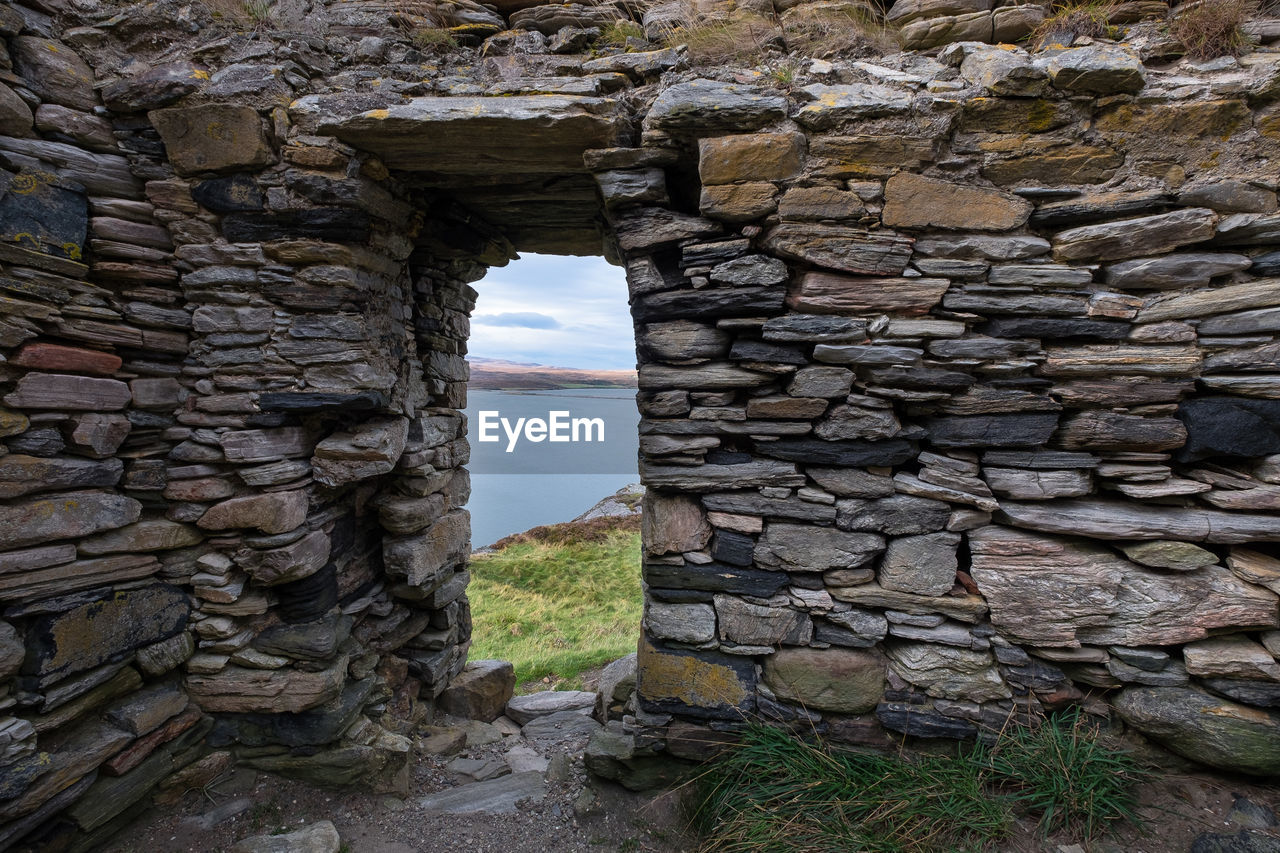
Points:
558	600
776	793
1066	773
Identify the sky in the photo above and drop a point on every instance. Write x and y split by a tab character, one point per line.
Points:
557	311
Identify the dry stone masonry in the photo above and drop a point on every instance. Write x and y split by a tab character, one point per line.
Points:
958	375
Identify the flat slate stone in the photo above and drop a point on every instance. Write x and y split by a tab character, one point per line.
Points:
64	516
712	105
1055	591
914	201
517	134
492	797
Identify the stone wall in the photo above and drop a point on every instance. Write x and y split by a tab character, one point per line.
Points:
958	386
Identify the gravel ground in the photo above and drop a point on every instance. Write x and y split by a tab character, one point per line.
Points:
575	816
578	815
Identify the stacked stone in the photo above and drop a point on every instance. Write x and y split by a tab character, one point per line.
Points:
201	417
925	24
929	453
93	333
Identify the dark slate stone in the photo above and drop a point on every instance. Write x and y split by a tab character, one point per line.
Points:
825	632
314	727
778	712
103	630
310	402
308	599
230	194
681	596
897	515
1059	214
715	577
727	457
1261	694
330	224
149	420
18	776
42	212
1229	426
732	548
1244	841
698	254
747	350
266	419
711	302
44	441
1050	327
922	721
315	641
1266	265
156	87
1018	430
815	451
1035	675
921	378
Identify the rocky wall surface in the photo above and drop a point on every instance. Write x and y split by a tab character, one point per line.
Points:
959	405
231	526
958	386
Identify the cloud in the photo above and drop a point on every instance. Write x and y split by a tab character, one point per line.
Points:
523	319
587	295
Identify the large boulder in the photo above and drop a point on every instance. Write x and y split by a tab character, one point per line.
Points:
1204	728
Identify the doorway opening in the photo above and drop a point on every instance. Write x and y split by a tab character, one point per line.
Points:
555	496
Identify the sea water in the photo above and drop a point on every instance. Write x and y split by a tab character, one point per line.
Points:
522	483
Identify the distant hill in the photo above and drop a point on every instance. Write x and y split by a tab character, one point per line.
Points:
498	375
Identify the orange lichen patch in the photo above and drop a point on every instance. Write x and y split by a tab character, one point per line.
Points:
663	676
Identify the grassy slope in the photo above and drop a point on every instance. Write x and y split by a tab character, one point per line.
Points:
558	600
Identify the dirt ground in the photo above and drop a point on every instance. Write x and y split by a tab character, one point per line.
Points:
586	816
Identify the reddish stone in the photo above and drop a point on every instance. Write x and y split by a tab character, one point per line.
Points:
144	746
71	359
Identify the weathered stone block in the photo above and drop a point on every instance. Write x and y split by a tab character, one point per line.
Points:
925	565
64	516
213	138
803	548
1204	728
274	512
66	392
843	681
705	685
914	201
672	524
103	630
288	691
751	157
365	451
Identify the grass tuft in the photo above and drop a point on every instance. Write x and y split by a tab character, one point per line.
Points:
433	40
1077	18
1211	28
776	793
617	33
558	600
1064	771
827	30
